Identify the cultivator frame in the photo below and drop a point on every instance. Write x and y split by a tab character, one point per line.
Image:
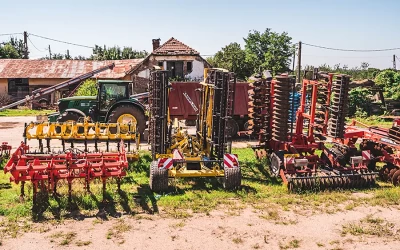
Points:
5	150
45	170
85	132
292	152
175	153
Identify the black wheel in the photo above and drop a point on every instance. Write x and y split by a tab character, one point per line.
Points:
232	128
158	180
232	178
69	117
275	164
126	113
43	103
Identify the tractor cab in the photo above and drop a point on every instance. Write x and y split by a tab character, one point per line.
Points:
110	92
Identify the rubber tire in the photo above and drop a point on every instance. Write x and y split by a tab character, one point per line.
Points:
44	104
158	180
232	178
232	128
275	156
68	116
128	109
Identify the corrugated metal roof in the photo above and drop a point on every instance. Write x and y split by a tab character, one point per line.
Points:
174	47
23	68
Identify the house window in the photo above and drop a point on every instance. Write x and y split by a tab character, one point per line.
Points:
161	64
175	69
189	66
18	87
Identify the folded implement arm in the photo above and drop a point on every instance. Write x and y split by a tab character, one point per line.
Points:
204	154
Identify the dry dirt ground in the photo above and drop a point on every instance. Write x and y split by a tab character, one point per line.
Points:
364	227
218	230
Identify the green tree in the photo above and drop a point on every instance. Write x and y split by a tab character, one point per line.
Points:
14	48
390	81
116	53
87	88
233	58
360	101
268	51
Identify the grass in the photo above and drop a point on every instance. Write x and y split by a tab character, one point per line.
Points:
369	226
373	121
259	191
64	239
291	244
237	240
80	243
25	112
117	231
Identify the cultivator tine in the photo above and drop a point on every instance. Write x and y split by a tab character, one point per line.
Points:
46	170
84	132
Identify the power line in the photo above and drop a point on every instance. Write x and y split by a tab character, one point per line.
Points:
350	50
55	40
10	34
34	45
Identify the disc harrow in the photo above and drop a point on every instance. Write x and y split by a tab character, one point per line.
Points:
339	107
292	151
46	170
281	105
259	112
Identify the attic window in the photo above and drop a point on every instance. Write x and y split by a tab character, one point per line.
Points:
189	66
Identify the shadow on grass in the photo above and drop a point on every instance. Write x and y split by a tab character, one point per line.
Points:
5	185
145	195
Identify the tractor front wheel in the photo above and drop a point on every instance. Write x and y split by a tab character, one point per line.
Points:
158	180
125	114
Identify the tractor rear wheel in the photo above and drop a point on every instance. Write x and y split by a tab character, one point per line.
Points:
232	178
69	117
158	180
126	113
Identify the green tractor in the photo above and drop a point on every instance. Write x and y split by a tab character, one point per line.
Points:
113	104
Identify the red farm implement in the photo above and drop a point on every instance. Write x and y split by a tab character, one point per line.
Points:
292	146
5	150
46	170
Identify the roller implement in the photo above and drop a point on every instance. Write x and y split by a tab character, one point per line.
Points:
292	146
175	152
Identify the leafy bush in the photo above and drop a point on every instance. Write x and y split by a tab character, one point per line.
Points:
390	81
87	88
360	102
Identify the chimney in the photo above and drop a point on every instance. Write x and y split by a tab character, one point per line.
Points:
156	43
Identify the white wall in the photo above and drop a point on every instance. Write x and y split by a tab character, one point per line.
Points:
197	71
144	73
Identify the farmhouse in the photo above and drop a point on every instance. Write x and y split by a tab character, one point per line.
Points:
19	77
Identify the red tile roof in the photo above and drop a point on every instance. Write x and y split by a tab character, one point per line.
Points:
174	47
22	68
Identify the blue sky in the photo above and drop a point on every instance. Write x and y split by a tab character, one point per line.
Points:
209	25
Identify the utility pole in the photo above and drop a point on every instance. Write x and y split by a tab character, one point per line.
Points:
394	62
67	54
299	62
294	59
26	45
49	52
